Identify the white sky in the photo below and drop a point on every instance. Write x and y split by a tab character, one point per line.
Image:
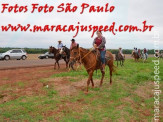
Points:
127	12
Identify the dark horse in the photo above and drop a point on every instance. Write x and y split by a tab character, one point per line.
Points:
90	62
65	52
120	58
57	56
135	55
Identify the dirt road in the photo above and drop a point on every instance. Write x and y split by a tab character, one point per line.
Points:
12	64
33	61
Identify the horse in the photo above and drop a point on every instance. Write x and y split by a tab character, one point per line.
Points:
65	52
135	55
144	57
57	56
120	58
91	62
161	55
76	63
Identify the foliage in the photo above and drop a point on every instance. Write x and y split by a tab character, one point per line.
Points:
41	50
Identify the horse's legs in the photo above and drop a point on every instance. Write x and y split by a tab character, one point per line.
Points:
72	66
66	64
102	78
65	61
92	82
55	65
122	62
89	78
117	63
58	65
111	70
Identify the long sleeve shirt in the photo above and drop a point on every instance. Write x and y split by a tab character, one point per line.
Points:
60	46
73	45
100	45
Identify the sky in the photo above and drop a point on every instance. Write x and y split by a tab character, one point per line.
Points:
126	12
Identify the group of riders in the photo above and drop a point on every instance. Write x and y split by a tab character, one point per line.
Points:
99	44
143	54
93	59
73	44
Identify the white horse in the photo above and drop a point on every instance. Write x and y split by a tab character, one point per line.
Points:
144	56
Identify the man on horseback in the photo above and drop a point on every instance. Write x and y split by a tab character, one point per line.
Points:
145	53
73	44
119	57
139	52
136	50
99	43
60	44
120	52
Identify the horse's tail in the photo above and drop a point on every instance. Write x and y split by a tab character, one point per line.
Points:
110	64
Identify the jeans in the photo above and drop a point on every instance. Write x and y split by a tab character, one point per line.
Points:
102	56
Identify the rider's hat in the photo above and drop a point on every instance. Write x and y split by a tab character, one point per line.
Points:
120	47
59	41
73	40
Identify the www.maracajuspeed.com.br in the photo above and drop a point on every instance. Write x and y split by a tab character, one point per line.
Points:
77	28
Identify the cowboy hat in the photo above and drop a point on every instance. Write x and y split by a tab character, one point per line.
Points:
73	40
59	41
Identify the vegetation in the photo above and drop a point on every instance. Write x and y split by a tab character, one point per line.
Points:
41	50
130	98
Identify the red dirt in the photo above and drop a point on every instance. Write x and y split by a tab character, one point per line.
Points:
29	77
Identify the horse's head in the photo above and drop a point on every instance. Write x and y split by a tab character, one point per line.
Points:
51	49
63	50
75	54
132	54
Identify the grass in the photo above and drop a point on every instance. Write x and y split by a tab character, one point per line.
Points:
119	102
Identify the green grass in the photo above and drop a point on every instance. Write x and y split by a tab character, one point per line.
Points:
71	74
20	84
119	102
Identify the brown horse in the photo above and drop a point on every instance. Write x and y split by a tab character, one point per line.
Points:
120	58
91	62
135	55
58	56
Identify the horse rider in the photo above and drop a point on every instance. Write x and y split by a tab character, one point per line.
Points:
73	44
136	50
60	45
99	43
139	52
121	52
145	52
156	53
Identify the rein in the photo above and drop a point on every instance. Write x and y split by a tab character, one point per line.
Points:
85	56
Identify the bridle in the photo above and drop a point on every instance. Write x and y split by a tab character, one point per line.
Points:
81	58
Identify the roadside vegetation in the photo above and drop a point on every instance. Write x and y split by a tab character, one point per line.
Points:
41	50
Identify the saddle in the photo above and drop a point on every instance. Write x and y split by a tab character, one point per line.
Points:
98	57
